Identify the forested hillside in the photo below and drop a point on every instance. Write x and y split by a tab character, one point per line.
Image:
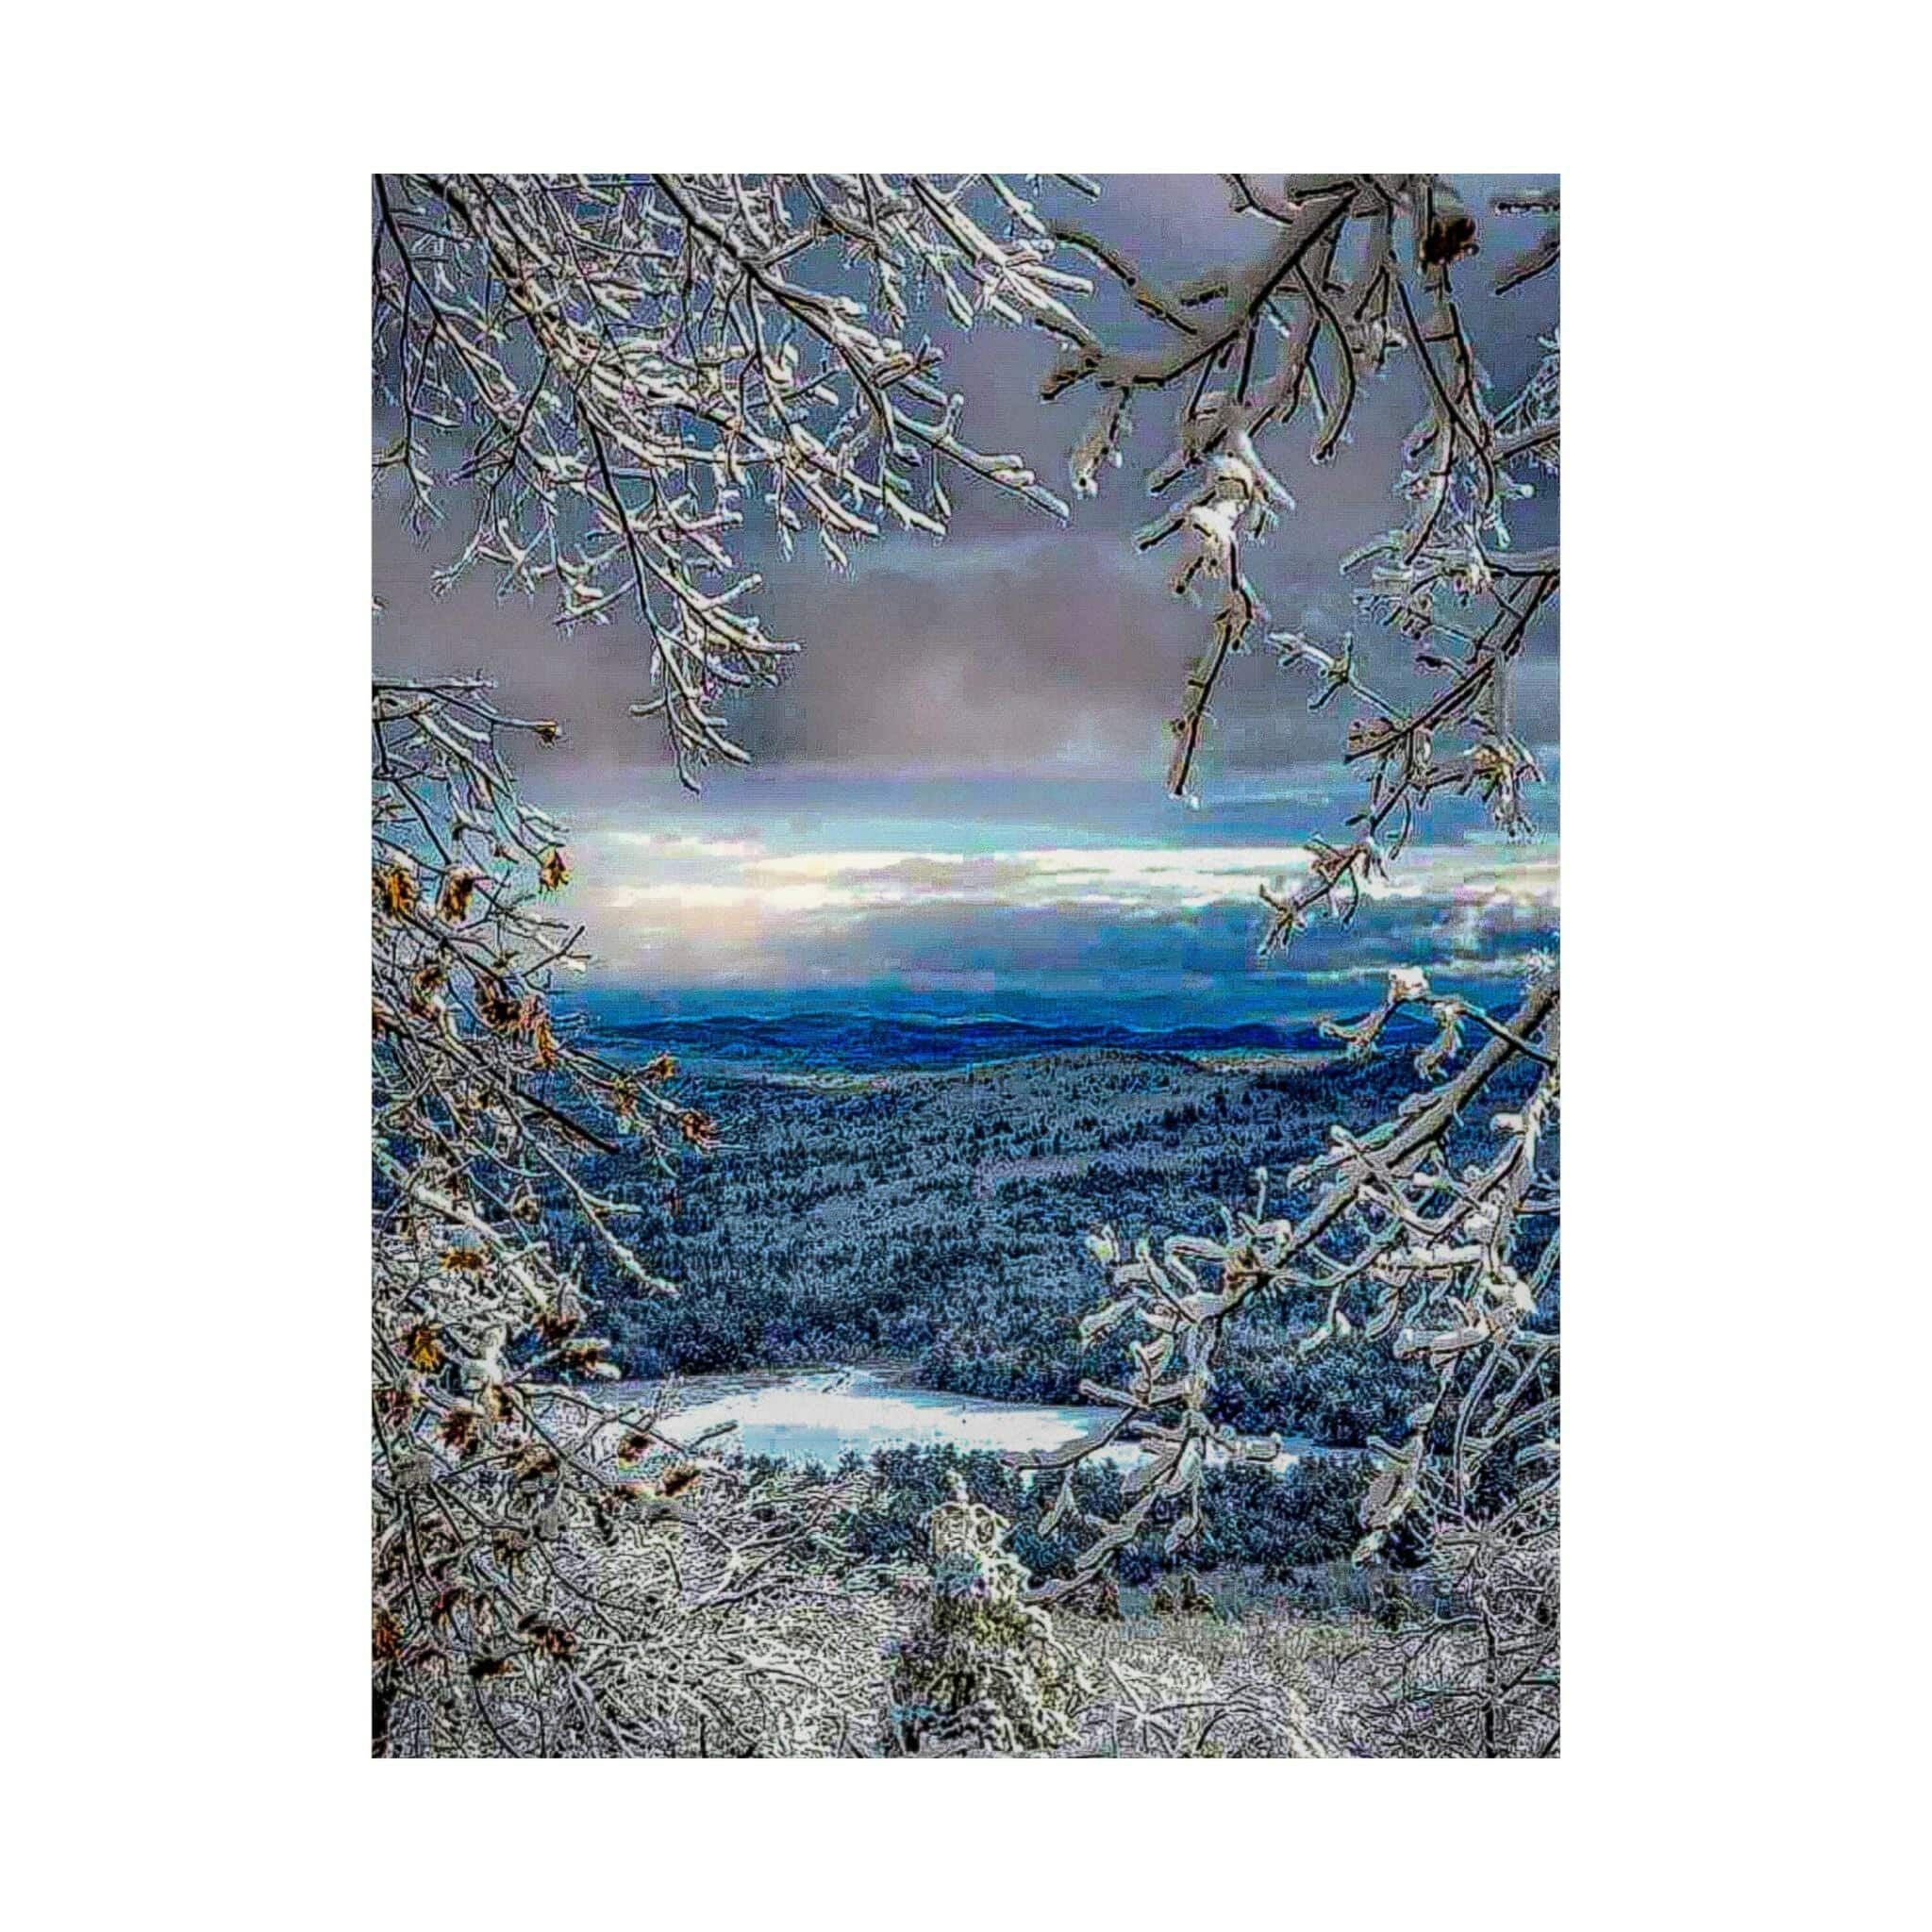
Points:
936	1217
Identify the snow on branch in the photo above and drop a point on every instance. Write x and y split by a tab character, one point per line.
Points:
620	371
1394	1234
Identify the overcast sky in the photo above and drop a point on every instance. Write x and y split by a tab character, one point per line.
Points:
955	793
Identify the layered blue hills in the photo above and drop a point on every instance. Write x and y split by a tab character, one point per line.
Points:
882	1041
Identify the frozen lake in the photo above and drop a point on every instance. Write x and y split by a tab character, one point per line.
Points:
817	1416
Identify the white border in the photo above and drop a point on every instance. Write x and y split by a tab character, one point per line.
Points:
189	407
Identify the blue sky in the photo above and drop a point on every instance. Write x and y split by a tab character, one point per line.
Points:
955	795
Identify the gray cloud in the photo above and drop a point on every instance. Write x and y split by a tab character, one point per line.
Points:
1072	951
677	909
1015	647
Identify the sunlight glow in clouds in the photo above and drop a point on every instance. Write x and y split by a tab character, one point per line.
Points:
678	907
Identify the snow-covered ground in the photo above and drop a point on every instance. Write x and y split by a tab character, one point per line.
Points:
817	1416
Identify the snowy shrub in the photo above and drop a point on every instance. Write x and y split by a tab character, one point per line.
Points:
984	1672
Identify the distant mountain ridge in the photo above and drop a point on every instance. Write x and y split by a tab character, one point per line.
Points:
865	1041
